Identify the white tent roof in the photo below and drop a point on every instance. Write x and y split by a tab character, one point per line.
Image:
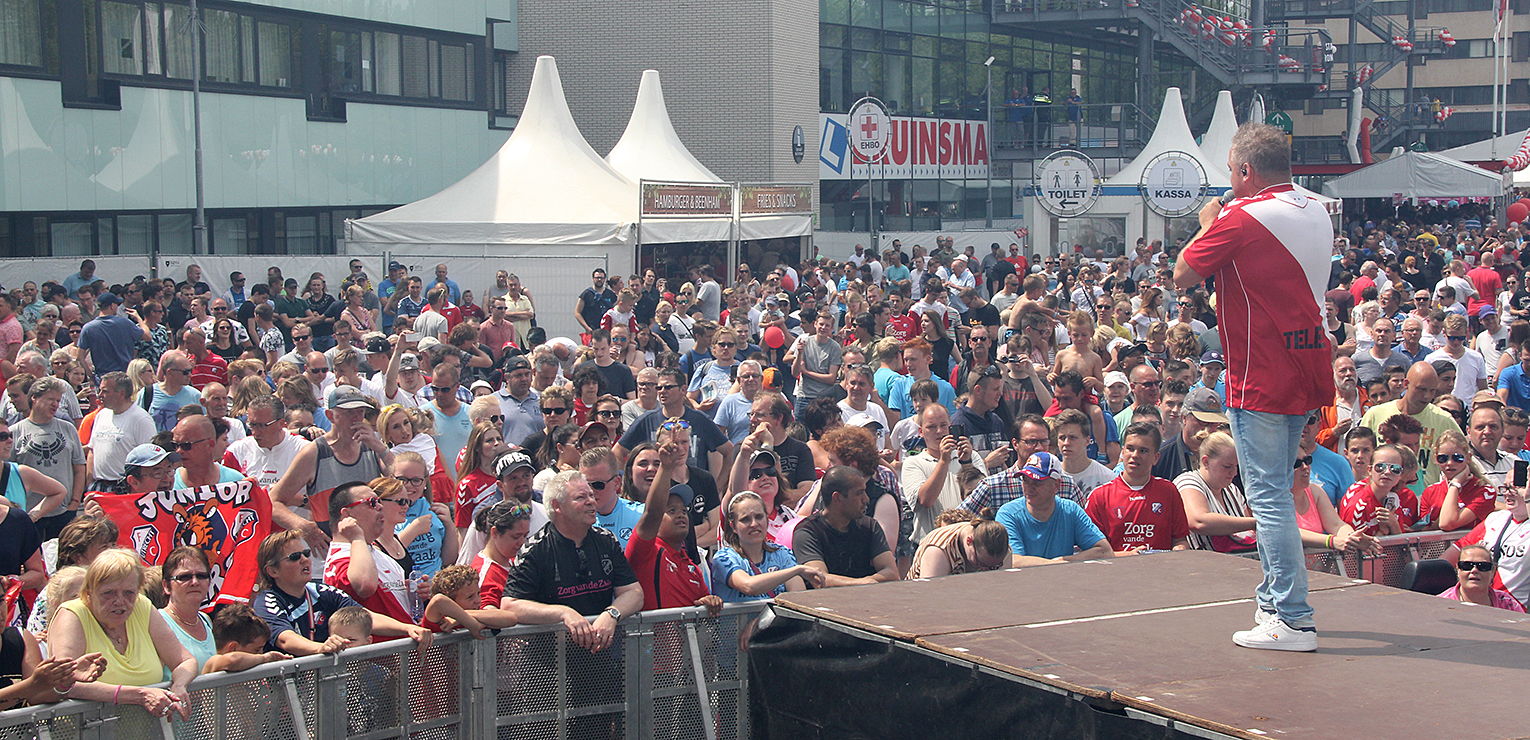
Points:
1217	142
1172	135
650	149
544	186
1482	151
1416	175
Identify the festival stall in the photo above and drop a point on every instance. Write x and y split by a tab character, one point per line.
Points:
1416	176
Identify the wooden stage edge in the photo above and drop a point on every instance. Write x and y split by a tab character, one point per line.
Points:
1151	636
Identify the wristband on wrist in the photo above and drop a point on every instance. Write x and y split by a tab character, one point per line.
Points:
1330	542
116	693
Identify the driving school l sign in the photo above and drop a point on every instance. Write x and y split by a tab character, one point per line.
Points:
1067	183
1173	184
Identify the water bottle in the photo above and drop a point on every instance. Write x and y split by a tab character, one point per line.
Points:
417	604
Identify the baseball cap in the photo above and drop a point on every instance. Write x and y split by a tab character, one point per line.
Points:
410	361
518	362
1213	356
429	343
592	426
768	457
508	462
1485	310
1486	397
864	420
395	265
148	454
1042	466
480	384
107	299
347	397
1116	377
1204	405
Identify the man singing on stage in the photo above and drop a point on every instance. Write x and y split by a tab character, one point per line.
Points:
1268	250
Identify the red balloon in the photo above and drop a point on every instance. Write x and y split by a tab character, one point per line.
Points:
1525	201
1518	210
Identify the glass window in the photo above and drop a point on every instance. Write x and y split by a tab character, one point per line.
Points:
433	68
834	11
229	236
21	32
151	28
454	67
389	69
831	81
416	67
247	49
302	235
865	73
72	238
121	39
135	234
866	39
866	13
104	236
895	83
175	233
925	46
344	61
926	20
275	55
922	91
223	58
178	42
831	35
896	15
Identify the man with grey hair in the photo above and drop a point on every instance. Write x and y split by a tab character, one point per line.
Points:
119	426
34	364
52	447
1269	251
572	569
732	413
269	449
1411	345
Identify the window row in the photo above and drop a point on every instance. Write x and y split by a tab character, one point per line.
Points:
252	231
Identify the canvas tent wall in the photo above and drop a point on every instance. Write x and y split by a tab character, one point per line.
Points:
1416	175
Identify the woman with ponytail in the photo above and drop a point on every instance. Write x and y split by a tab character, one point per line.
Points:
1219	516
971	546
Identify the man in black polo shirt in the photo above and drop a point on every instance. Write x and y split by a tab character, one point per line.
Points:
572	569
1202	410
840	540
983	427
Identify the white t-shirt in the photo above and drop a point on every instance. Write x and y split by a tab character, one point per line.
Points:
1513	568
1492	346
266	466
1469	370
1092	477
375	386
846	412
113	436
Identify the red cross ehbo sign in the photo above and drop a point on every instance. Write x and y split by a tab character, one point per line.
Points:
868	124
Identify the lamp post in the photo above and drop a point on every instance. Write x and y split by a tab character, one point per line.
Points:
988	70
199	223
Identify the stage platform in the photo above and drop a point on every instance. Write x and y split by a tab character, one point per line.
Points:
1135	647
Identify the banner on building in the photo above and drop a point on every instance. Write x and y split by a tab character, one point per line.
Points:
917	148
227	521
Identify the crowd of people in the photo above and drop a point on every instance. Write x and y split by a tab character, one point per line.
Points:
436	463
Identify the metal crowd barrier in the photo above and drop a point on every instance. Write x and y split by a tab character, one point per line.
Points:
1397	550
673	673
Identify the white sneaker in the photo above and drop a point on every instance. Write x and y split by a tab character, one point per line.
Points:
1275	635
1261	616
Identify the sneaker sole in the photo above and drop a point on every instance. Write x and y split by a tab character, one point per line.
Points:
1289	646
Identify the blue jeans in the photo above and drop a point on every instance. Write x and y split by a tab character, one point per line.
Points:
1267	447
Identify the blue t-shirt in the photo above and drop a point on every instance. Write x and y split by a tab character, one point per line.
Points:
733	416
225	475
112	342
163	406
451	431
622	519
1513	377
1111	435
1067	528
425	549
900	399
384	290
727	561
1333	471
885	380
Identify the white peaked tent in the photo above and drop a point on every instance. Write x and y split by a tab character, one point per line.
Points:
650	149
545	186
1217	141
1482	151
1416	175
1172	135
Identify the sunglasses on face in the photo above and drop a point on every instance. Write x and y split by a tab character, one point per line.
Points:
609	414
1453	457
184	446
547	411
1302	462
293	557
189	577
1392	468
758	473
5	436
668	387
497	418
440	391
399	502
600	485
1481	566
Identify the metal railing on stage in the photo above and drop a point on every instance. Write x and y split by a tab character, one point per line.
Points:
672	673
1397	550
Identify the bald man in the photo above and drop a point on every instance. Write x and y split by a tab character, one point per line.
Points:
1422	384
201	447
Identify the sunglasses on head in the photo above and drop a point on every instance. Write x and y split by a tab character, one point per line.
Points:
372	502
1481	566
673	424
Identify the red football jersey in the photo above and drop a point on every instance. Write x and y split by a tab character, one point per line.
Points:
1358	508
905	327
1152	516
1270	254
1475	496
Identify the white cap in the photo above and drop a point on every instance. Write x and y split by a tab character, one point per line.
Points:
1116	376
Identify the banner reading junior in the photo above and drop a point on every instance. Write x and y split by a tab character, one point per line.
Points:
228	521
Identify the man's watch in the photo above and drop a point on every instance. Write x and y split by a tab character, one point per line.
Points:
615	613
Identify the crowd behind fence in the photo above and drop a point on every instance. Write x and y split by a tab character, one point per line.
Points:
672	673
525	682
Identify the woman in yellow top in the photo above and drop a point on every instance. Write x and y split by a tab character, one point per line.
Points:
113	618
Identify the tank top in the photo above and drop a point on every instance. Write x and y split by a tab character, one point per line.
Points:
949	540
14	489
204	649
1310	519
329	472
140	665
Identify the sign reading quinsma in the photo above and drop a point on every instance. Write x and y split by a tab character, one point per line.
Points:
917	148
